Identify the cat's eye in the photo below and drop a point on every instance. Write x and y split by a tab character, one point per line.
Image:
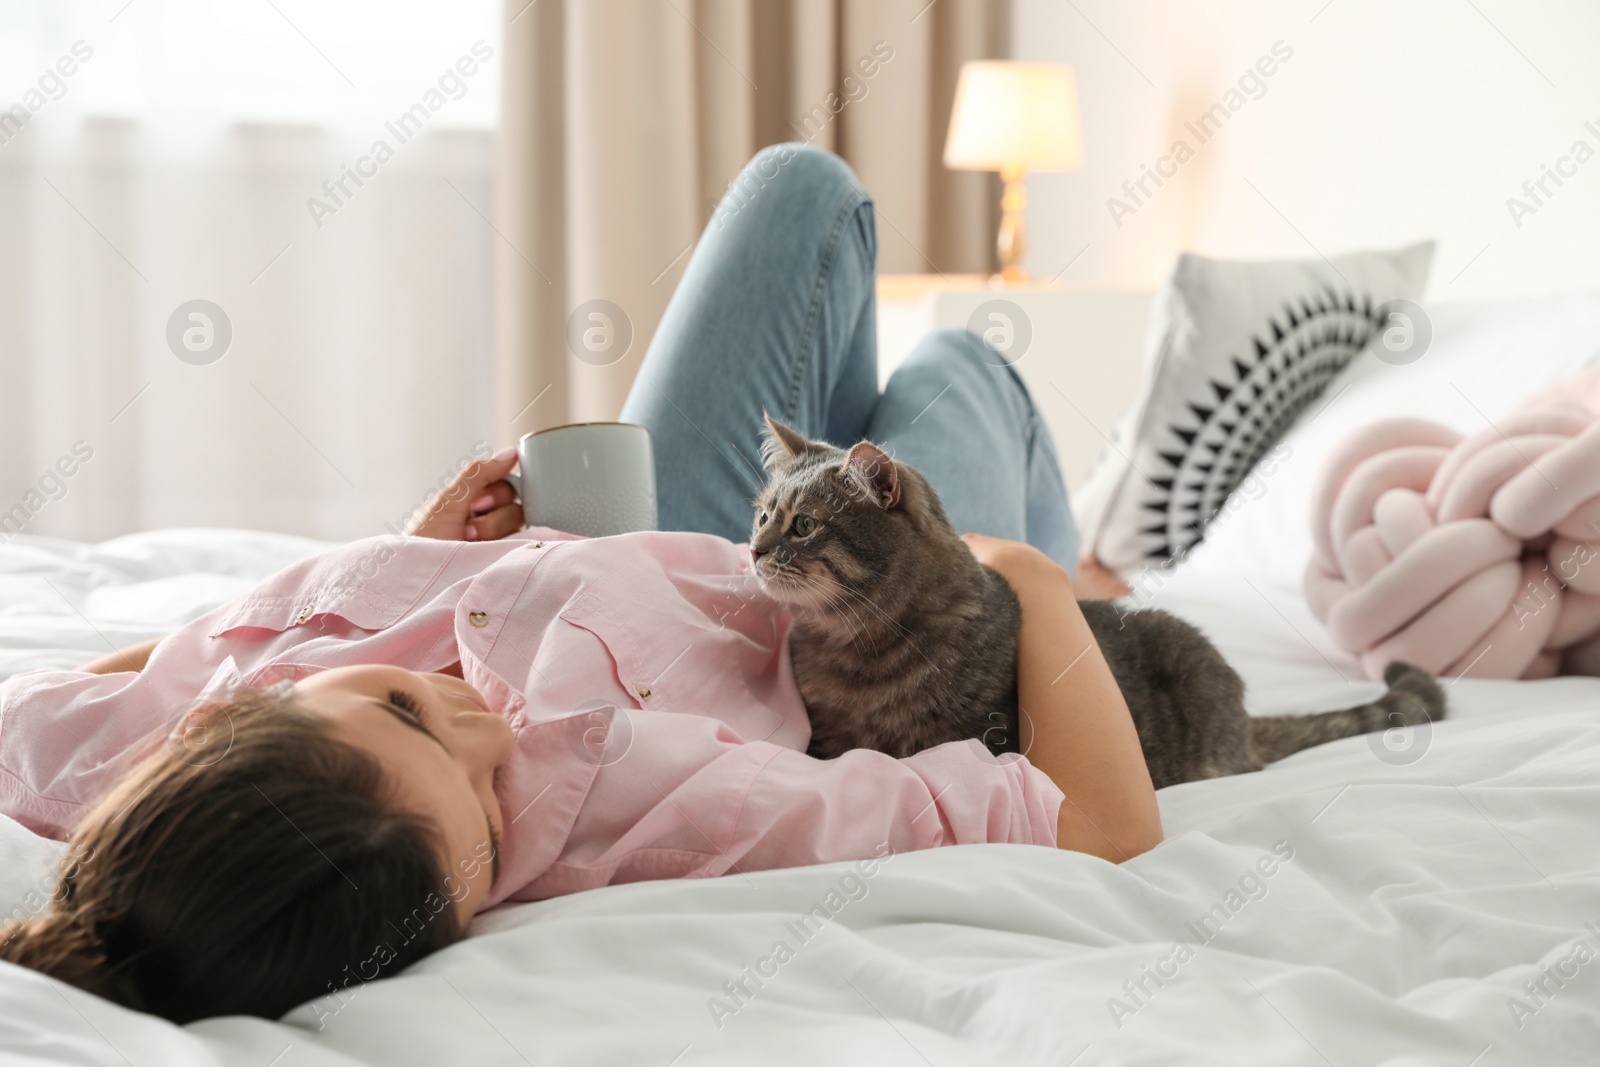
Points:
762	521
803	526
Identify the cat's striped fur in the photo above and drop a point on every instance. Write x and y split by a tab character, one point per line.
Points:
902	641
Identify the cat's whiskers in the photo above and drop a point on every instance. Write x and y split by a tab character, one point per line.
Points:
791	579
910	638
834	597
837	602
790	584
890	620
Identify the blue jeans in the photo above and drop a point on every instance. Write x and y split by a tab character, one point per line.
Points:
776	312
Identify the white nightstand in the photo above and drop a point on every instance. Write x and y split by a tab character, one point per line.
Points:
1084	355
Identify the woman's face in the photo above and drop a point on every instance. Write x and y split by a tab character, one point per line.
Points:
439	745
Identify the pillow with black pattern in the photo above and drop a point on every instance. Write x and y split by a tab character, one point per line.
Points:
1237	350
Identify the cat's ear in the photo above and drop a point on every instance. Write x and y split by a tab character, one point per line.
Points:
780	443
871	468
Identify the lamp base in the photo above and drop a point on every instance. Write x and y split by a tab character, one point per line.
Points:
1010	243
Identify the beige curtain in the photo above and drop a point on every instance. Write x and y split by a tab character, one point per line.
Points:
624	120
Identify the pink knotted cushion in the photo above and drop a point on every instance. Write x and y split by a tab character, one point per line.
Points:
1475	556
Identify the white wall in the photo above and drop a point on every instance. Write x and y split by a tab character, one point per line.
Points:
1392	121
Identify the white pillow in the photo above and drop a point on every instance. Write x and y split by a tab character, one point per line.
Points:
1236	351
27	871
1484	358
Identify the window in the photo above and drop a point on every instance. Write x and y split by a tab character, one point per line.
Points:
354	63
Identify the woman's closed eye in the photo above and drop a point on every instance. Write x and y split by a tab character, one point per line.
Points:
411	706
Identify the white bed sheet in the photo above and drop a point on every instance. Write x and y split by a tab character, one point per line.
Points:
1420	898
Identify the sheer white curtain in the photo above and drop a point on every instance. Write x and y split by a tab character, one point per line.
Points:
161	152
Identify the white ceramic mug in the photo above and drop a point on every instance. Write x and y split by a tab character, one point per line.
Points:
593	479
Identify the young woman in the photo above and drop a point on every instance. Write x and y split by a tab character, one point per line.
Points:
324	780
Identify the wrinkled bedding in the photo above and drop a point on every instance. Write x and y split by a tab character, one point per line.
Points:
1431	897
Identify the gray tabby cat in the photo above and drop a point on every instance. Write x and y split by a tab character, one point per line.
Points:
902	640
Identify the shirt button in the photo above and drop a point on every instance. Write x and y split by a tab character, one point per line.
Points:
643	691
479	618
535	544
305	613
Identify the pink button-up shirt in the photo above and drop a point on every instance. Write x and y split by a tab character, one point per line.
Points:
659	732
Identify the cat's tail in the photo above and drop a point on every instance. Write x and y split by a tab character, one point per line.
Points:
1414	698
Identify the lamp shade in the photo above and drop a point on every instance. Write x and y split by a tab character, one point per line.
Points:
1014	115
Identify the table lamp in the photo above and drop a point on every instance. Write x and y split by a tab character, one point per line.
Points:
1014	118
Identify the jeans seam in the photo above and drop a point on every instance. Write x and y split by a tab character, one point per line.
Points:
819	289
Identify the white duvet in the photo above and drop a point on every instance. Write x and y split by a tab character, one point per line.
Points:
1354	904
1431	897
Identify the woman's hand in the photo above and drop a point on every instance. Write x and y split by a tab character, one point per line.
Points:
478	505
1073	722
1018	563
1096	582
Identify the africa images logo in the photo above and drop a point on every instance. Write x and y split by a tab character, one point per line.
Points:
337	191
199	332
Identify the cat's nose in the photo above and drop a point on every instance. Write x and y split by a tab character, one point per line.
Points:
756	553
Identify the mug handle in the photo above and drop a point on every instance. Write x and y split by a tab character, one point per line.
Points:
520	488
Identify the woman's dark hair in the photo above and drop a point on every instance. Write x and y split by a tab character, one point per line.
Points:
260	870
